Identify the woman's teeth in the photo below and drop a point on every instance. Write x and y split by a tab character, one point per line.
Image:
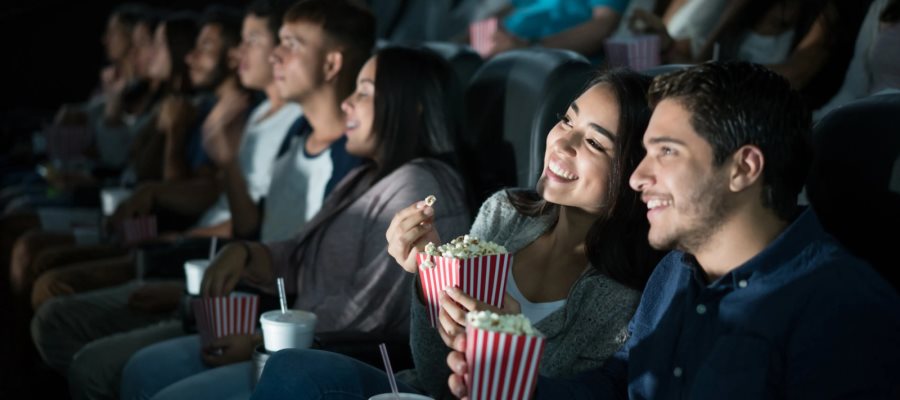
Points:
558	170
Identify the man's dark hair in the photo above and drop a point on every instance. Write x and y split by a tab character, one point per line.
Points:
348	26
129	14
272	10
734	104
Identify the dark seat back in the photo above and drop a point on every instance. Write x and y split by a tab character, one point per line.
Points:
854	185
462	58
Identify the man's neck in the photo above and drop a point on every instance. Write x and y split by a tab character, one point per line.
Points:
744	235
275	101
324	114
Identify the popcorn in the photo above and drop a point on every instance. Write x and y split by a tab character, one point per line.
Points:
429	201
465	247
479	268
515	324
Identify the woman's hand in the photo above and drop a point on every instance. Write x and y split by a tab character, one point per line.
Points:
645	22
230	266
410	230
230	349
456	360
224	271
455	305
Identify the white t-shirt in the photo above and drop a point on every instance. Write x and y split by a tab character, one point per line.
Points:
259	146
535	312
296	192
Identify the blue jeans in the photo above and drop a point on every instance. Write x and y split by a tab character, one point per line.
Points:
174	370
316	374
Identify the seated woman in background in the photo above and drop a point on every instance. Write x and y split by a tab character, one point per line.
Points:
809	42
581	256
875	68
404	118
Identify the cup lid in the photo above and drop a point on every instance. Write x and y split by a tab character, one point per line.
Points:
291	317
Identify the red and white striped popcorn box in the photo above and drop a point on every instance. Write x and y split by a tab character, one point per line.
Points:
502	365
139	229
481	35
216	317
637	52
483	278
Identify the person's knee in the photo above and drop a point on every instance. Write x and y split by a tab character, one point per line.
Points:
302	363
49	285
46	327
23	251
94	373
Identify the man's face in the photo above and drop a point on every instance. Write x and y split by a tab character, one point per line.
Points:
116	39
257	44
298	60
203	61
687	197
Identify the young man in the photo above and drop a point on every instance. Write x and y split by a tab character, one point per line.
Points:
108	324
756	300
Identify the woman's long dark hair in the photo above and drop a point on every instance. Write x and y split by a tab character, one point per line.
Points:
181	32
616	244
418	112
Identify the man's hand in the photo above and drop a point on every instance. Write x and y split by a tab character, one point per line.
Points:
410	230
223	128
230	349
156	297
139	203
456	360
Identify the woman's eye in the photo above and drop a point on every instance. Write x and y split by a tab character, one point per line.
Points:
565	120
595	144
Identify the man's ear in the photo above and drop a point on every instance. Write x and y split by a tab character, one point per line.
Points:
747	168
334	61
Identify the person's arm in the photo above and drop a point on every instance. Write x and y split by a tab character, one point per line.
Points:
222	134
587	37
245	213
811	53
222	230
174	122
250	262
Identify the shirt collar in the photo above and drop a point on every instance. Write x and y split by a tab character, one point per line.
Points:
804	230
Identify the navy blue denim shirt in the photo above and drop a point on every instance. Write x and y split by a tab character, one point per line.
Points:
802	319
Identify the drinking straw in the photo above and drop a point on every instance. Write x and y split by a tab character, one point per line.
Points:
390	372
212	247
282	298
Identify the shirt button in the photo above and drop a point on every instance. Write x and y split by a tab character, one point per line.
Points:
742	283
677	372
701	309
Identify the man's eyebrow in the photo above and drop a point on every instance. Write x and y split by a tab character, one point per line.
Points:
665	139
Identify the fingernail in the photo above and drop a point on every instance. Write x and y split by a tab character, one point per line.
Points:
428	211
420	204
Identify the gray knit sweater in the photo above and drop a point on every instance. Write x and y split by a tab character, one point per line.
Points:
580	336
